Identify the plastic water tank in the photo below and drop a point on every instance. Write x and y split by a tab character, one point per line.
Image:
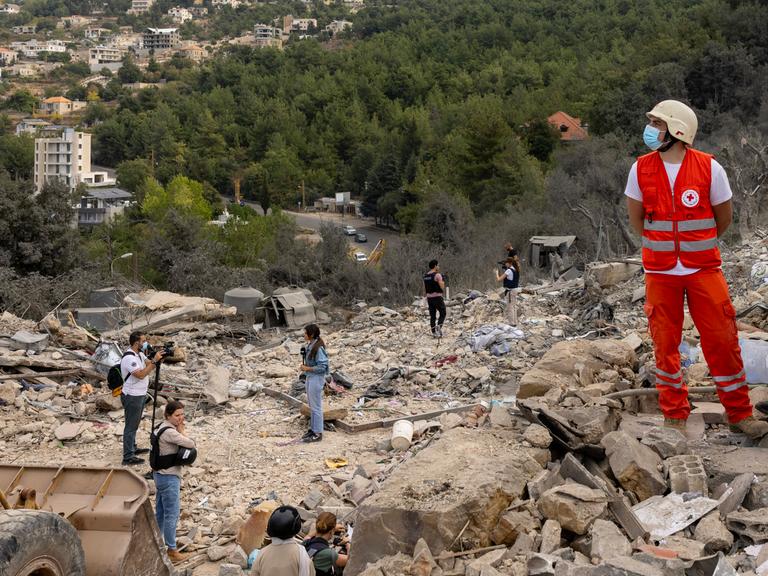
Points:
245	299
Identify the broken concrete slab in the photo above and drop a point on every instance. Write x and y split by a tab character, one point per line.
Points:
666	442
68	430
23	340
537	436
608	541
685	548
611	273
667	515
230	569
724	463
551	533
512	524
637	425
217	387
751	525
622	566
574	506
456	483
500	417
711	531
635	466
492	559
735	493
561	364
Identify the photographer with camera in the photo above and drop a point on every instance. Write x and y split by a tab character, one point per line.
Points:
315	365
134	393
321	545
168	480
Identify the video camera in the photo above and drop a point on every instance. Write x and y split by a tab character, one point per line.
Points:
167	351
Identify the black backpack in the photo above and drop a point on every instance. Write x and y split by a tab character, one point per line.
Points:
313	546
184	457
115	378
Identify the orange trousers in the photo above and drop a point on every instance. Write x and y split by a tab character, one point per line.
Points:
713	313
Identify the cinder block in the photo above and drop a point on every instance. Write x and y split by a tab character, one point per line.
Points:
686	474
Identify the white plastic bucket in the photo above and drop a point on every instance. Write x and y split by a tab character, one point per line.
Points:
402	434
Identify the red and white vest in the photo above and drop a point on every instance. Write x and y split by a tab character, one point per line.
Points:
680	224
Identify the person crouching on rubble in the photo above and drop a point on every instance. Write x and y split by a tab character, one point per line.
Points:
510	276
316	367
168	480
284	556
327	560
679	201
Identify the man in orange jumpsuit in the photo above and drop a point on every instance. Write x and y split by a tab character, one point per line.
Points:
679	201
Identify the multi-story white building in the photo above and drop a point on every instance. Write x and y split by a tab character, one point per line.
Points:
25	29
61	153
291	24
95	33
221	3
7	56
180	14
161	38
30	126
101	204
267	36
105	57
140	6
33	48
9	9
338	26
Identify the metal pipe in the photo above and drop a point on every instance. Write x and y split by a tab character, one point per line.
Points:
696	391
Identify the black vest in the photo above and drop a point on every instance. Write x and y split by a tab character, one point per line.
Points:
430	284
313	546
511	284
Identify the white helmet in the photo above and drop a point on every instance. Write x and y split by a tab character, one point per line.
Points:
681	120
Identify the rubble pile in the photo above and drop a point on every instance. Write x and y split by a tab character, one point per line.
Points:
535	449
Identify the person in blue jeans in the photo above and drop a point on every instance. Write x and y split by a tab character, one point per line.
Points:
168	480
316	367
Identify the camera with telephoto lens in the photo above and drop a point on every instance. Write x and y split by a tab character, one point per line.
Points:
167	351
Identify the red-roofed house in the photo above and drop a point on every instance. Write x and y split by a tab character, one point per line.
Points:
570	128
60	105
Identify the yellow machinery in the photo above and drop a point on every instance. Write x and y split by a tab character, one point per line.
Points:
64	521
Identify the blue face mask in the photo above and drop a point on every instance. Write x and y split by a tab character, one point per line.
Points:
144	346
651	137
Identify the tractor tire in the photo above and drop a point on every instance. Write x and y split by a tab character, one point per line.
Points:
38	543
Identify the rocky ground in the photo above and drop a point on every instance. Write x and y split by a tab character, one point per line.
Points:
530	463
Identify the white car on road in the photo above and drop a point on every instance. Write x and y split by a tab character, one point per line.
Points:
360	257
349	230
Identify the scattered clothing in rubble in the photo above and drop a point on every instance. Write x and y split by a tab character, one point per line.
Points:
497	337
380	390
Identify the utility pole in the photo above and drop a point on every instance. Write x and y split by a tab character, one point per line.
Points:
303	196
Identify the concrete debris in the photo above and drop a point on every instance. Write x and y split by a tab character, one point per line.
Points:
608	541
542	474
573	505
751	525
667	515
711	531
551	533
666	442
686	474
537	436
635	466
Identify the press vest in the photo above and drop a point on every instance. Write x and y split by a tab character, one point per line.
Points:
680	223
430	284
512	284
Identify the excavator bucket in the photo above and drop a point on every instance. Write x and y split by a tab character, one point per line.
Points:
110	508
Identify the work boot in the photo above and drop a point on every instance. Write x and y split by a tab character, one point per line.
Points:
176	556
313	438
752	427
676	423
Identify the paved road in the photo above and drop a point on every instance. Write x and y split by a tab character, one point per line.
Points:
313	221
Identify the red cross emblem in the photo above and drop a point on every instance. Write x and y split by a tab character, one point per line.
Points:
690	198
